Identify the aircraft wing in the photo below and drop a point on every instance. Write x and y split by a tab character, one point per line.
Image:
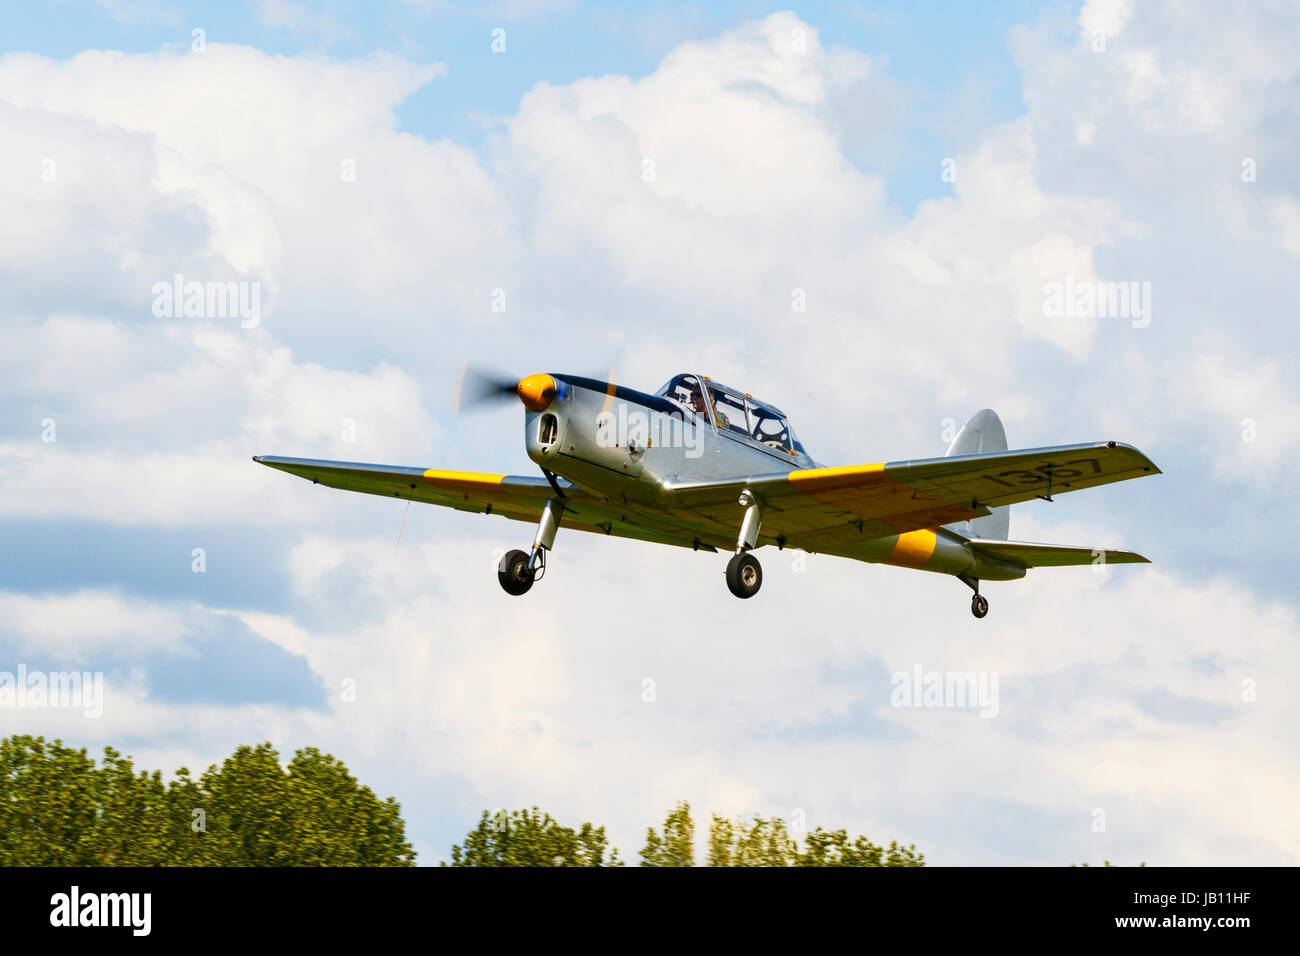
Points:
817	508
513	496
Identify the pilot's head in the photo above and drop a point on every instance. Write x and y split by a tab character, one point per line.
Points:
697	399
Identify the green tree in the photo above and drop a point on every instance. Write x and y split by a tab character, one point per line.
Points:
532	838
722	835
834	848
312	813
676	847
1105	863
758	843
48	805
58	809
767	842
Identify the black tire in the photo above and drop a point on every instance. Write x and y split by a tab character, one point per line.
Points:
514	574
979	605
744	575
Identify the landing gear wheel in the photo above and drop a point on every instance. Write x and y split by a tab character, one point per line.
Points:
513	572
744	575
979	605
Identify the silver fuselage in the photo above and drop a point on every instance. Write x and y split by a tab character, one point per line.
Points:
617	443
617	446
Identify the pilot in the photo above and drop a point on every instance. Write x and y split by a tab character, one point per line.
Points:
697	401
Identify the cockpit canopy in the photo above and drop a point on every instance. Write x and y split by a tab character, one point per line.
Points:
735	413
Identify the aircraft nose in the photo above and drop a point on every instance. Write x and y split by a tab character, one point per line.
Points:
537	391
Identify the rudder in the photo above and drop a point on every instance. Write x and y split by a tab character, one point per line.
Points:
983	432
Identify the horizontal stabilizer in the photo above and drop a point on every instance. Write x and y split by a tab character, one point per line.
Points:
1030	555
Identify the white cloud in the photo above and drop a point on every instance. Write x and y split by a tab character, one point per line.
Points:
301	21
78	624
1252	418
195	403
314	194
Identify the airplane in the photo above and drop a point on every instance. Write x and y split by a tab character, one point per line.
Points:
700	465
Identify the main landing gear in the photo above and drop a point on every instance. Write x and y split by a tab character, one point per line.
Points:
979	604
518	570
744	573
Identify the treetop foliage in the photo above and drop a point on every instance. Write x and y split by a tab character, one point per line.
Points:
57	808
532	838
676	847
768	842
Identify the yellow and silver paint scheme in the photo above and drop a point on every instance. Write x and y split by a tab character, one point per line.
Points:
904	513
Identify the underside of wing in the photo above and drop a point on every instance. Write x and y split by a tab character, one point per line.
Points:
828	508
513	496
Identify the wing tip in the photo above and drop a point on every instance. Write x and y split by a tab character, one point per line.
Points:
1149	466
1124	557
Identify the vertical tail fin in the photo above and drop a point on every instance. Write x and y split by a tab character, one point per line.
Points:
982	432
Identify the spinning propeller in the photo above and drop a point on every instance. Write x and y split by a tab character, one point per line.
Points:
478	388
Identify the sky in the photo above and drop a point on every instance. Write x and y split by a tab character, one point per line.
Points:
648	188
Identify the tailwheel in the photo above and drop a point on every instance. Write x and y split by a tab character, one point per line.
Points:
744	575
514	572
979	605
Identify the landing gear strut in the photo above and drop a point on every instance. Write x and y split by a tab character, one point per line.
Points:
744	573
519	569
979	604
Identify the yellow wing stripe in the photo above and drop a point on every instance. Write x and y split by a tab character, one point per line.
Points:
845	471
462	477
